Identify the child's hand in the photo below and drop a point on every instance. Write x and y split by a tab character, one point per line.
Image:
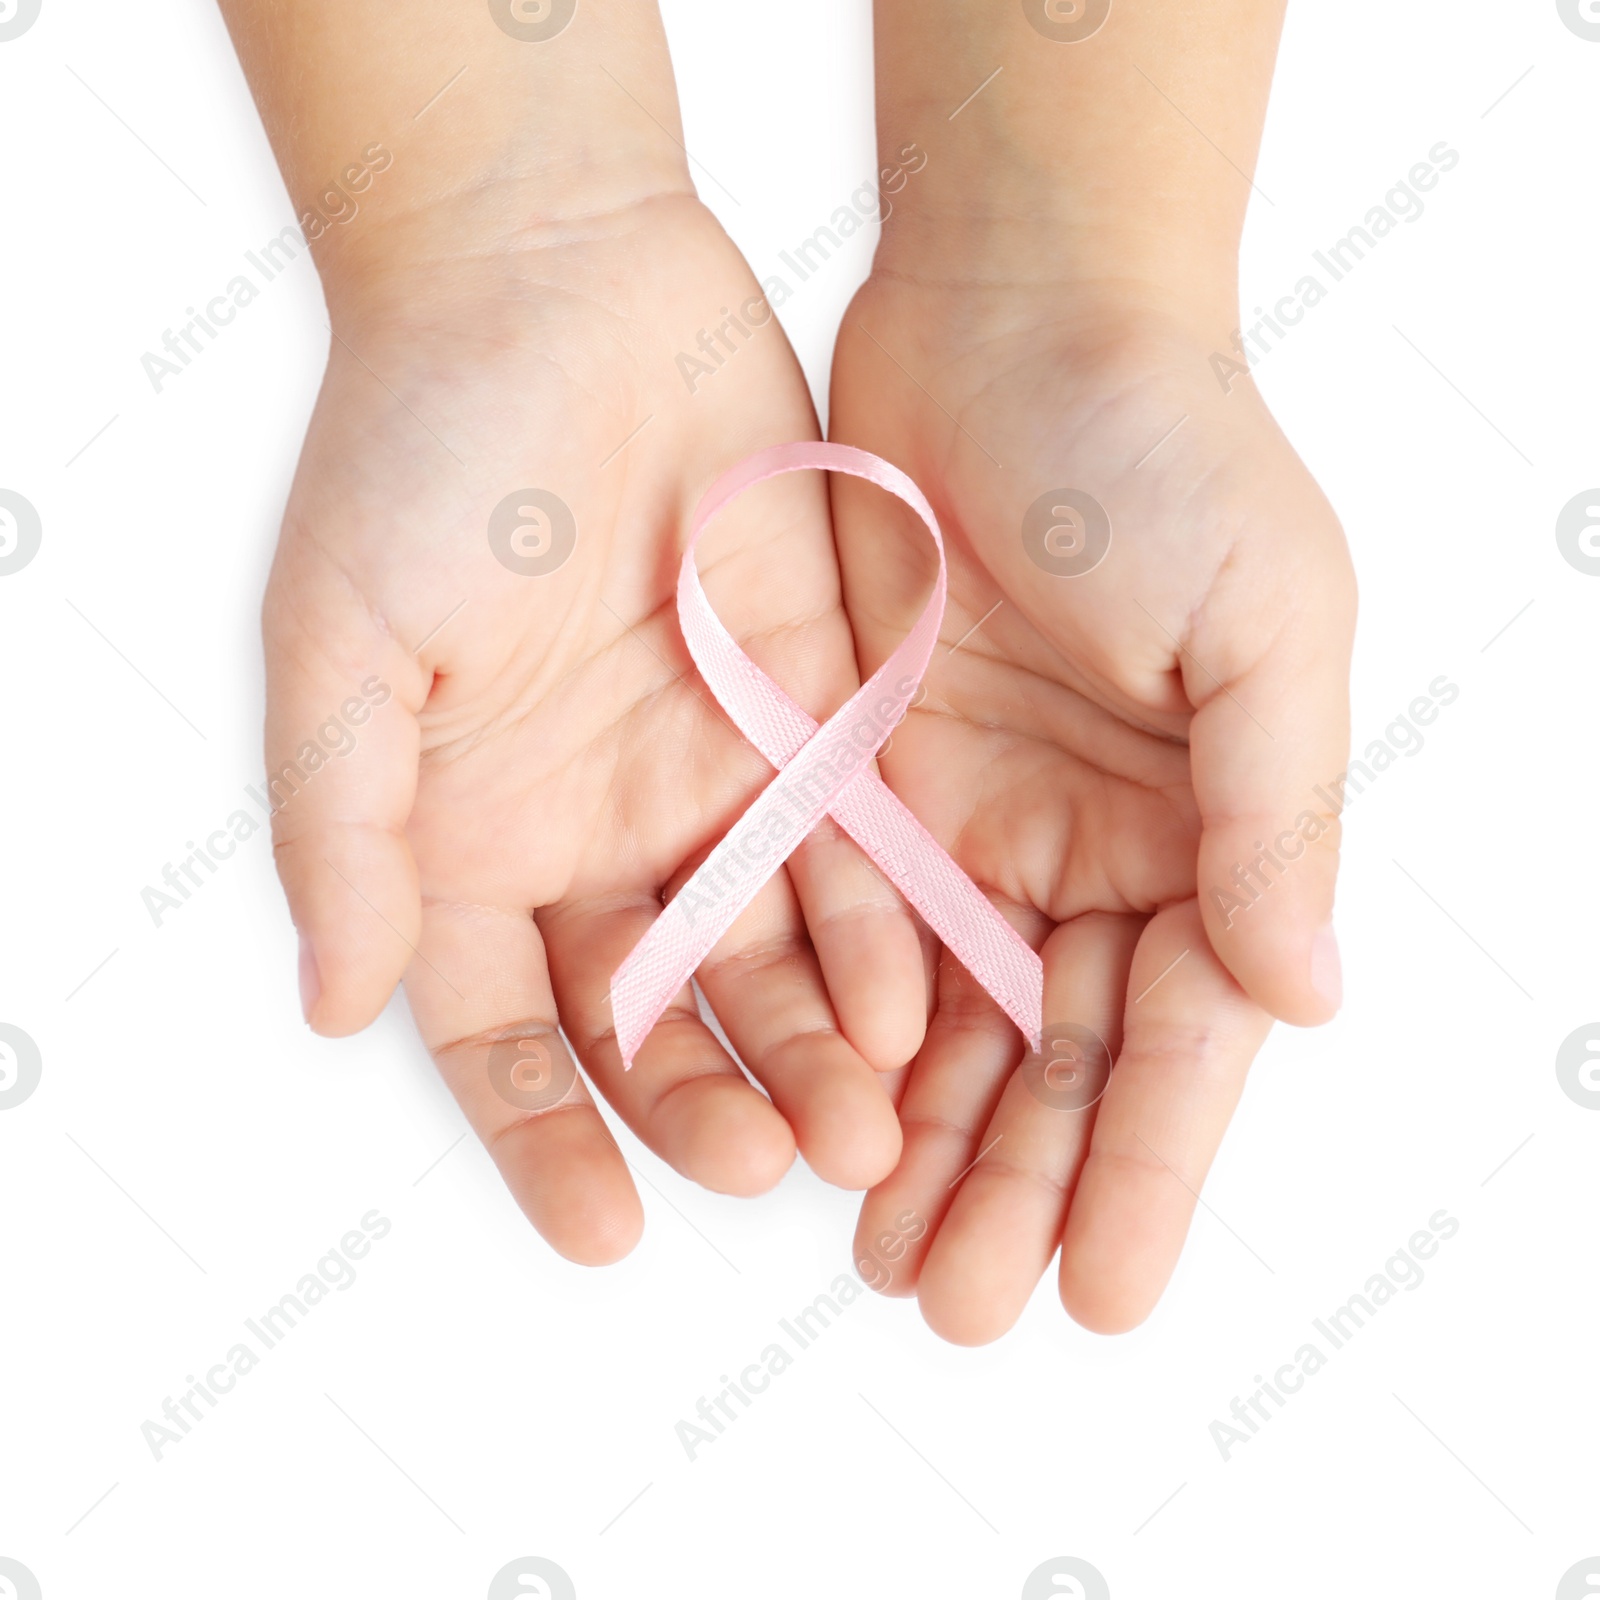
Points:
508	306
1100	752
550	763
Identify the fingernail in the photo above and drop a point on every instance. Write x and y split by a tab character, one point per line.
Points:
310	979
1327	974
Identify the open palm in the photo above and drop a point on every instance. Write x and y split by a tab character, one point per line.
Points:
1108	734
486	521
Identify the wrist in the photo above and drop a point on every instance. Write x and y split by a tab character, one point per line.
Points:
463	131
494	239
1076	168
988	272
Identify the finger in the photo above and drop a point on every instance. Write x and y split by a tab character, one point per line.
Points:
1189	1035
341	746
1005	1222
1268	746
951	1092
481	995
763	981
868	945
685	1096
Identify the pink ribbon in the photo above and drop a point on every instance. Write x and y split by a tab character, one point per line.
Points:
821	770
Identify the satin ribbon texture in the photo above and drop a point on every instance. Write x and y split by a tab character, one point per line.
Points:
822	771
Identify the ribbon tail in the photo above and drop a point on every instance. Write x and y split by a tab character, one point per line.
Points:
964	918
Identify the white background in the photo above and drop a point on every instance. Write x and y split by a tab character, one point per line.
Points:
192	1150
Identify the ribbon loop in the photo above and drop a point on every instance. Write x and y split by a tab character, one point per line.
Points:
821	770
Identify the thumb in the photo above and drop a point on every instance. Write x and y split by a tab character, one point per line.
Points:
1268	747
341	747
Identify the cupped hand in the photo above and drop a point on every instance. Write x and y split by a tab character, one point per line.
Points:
1117	726
480	551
